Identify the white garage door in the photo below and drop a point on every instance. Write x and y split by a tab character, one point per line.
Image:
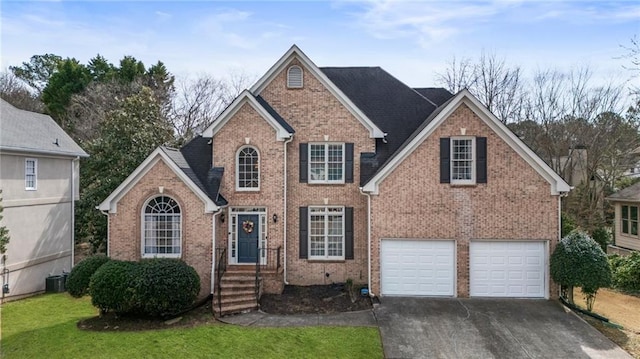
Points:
507	269
417	268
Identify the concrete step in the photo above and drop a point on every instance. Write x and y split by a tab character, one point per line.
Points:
238	278
235	308
235	301
238	292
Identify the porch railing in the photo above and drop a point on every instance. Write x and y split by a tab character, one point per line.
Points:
272	262
221	257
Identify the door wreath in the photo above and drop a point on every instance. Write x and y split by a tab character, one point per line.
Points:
247	226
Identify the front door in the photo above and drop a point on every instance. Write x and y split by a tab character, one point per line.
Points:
248	234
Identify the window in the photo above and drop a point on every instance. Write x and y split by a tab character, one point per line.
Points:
30	174
326	232
248	170
326	163
630	220
462	160
294	77
162	225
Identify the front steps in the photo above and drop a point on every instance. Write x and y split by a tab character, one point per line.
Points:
238	294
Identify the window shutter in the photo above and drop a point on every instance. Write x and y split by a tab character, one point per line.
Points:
445	168
304	237
481	160
348	162
348	233
304	171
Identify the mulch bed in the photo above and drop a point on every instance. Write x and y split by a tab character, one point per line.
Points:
334	298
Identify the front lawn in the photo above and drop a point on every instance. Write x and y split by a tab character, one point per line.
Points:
45	326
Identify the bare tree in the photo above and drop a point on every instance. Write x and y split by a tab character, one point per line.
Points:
459	75
13	90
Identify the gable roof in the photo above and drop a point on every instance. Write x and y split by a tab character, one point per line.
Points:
558	185
393	106
32	132
176	161
295	53
283	129
629	194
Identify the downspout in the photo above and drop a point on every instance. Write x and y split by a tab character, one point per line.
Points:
73	210
213	249
284	215
371	294
106	213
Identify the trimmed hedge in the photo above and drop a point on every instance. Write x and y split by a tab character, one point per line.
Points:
111	289
165	287
151	287
78	281
626	271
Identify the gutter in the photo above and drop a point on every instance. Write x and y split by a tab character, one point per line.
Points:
284	215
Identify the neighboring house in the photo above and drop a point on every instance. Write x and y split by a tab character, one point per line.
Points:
634	170
320	175
573	167
626	203
39	178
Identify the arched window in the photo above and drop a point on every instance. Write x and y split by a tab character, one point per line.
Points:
294	77
248	170
161	228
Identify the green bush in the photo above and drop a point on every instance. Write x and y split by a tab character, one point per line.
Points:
567	224
78	281
626	271
111	287
602	236
164	286
578	261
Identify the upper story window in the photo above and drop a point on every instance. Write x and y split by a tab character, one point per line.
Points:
248	169
630	220
161	228
326	162
30	174
326	232
462	160
294	77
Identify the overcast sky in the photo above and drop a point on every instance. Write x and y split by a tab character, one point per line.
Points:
411	40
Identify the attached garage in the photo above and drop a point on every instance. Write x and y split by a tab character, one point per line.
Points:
417	267
507	269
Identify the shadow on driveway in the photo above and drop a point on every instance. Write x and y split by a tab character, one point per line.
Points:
487	328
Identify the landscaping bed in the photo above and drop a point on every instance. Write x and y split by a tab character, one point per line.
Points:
315	299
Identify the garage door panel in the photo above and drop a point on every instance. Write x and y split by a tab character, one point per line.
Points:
507	269
420	268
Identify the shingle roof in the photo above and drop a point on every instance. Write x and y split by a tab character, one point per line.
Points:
437	95
33	132
631	194
393	106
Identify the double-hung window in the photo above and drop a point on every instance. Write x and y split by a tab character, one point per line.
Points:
30	174
326	232
630	220
248	170
462	160
326	162
162	228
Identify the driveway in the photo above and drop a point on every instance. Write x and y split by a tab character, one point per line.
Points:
487	328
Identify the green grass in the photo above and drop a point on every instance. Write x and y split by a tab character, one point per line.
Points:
45	327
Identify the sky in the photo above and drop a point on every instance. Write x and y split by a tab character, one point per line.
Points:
411	40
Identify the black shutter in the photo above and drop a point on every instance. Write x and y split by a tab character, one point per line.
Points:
348	162
304	237
445	169
304	171
348	233
481	160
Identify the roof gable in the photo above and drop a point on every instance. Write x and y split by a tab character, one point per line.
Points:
159	154
283	129
295	53
558	185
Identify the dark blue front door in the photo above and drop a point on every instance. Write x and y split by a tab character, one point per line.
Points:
248	232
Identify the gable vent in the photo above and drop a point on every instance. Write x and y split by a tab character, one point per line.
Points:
294	77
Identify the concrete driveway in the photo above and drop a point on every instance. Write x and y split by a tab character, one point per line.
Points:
487	328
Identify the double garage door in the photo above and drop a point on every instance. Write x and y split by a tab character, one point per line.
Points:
497	269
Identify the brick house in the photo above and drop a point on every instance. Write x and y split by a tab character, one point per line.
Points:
319	175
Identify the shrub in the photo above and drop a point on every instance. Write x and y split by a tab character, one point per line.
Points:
78	281
567	224
626	271
602	236
111	287
164	287
578	261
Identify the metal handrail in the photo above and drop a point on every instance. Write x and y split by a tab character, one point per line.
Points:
222	267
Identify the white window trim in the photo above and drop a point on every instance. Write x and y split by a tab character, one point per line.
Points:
35	174
326	257
142	231
472	181
233	232
246	189
301	77
629	221
326	163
